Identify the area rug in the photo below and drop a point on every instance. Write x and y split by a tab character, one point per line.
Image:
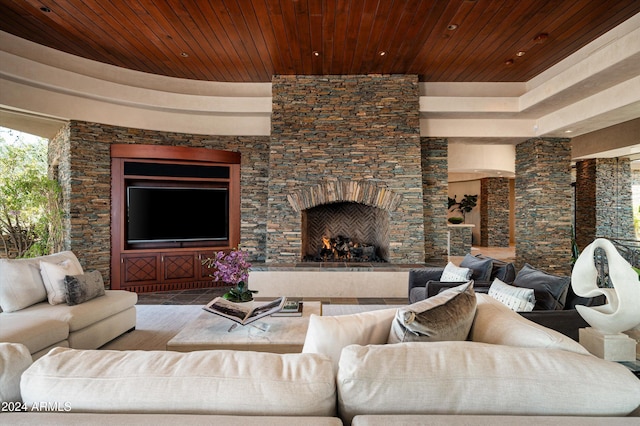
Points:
157	324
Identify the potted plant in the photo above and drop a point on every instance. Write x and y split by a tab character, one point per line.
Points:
464	206
233	269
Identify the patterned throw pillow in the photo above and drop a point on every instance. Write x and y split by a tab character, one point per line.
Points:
455	274
81	288
515	298
447	316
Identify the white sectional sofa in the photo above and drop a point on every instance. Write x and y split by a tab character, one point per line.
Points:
509	371
29	318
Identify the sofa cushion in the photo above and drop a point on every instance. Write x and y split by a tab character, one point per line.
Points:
21	284
478	378
14	360
53	277
157	419
446	316
199	382
328	335
84	287
481	267
85	314
453	273
35	332
499	325
550	290
515	298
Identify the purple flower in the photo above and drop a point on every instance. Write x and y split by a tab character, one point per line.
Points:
231	268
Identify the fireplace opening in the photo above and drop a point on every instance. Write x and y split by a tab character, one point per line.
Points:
345	232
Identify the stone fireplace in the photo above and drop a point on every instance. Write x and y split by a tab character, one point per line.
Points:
344	146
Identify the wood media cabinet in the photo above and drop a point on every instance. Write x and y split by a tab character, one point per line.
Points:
146	261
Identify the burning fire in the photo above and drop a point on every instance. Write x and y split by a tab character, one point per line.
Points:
326	242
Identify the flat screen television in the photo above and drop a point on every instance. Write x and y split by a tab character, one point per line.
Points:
176	214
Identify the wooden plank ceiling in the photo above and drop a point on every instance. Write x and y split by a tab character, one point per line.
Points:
249	41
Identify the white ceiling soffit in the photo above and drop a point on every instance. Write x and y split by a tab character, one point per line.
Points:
52	83
595	88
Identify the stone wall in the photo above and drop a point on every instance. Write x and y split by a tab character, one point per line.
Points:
460	238
494	212
81	153
604	206
435	183
328	129
357	132
543	204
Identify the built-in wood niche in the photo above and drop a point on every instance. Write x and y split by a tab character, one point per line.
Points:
171	208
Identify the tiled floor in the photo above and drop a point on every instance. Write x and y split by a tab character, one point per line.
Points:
204	295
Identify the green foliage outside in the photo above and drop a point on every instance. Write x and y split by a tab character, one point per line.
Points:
30	213
636	221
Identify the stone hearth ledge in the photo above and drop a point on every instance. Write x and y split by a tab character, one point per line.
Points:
334	279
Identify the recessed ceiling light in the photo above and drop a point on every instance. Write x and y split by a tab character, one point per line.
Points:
45	9
452	27
382	53
508	62
521	53
541	38
184	54
568	131
316	53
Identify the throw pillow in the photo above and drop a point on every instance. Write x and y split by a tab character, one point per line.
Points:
455	274
53	277
550	290
515	298
80	288
504	271
446	316
481	267
328	335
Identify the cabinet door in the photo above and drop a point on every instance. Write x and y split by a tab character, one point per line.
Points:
139	269
178	266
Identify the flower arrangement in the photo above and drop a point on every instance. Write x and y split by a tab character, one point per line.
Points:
232	268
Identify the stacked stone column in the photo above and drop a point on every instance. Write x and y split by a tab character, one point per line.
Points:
434	193
494	212
603	200
543	204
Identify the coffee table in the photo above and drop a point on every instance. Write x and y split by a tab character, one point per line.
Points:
268	334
